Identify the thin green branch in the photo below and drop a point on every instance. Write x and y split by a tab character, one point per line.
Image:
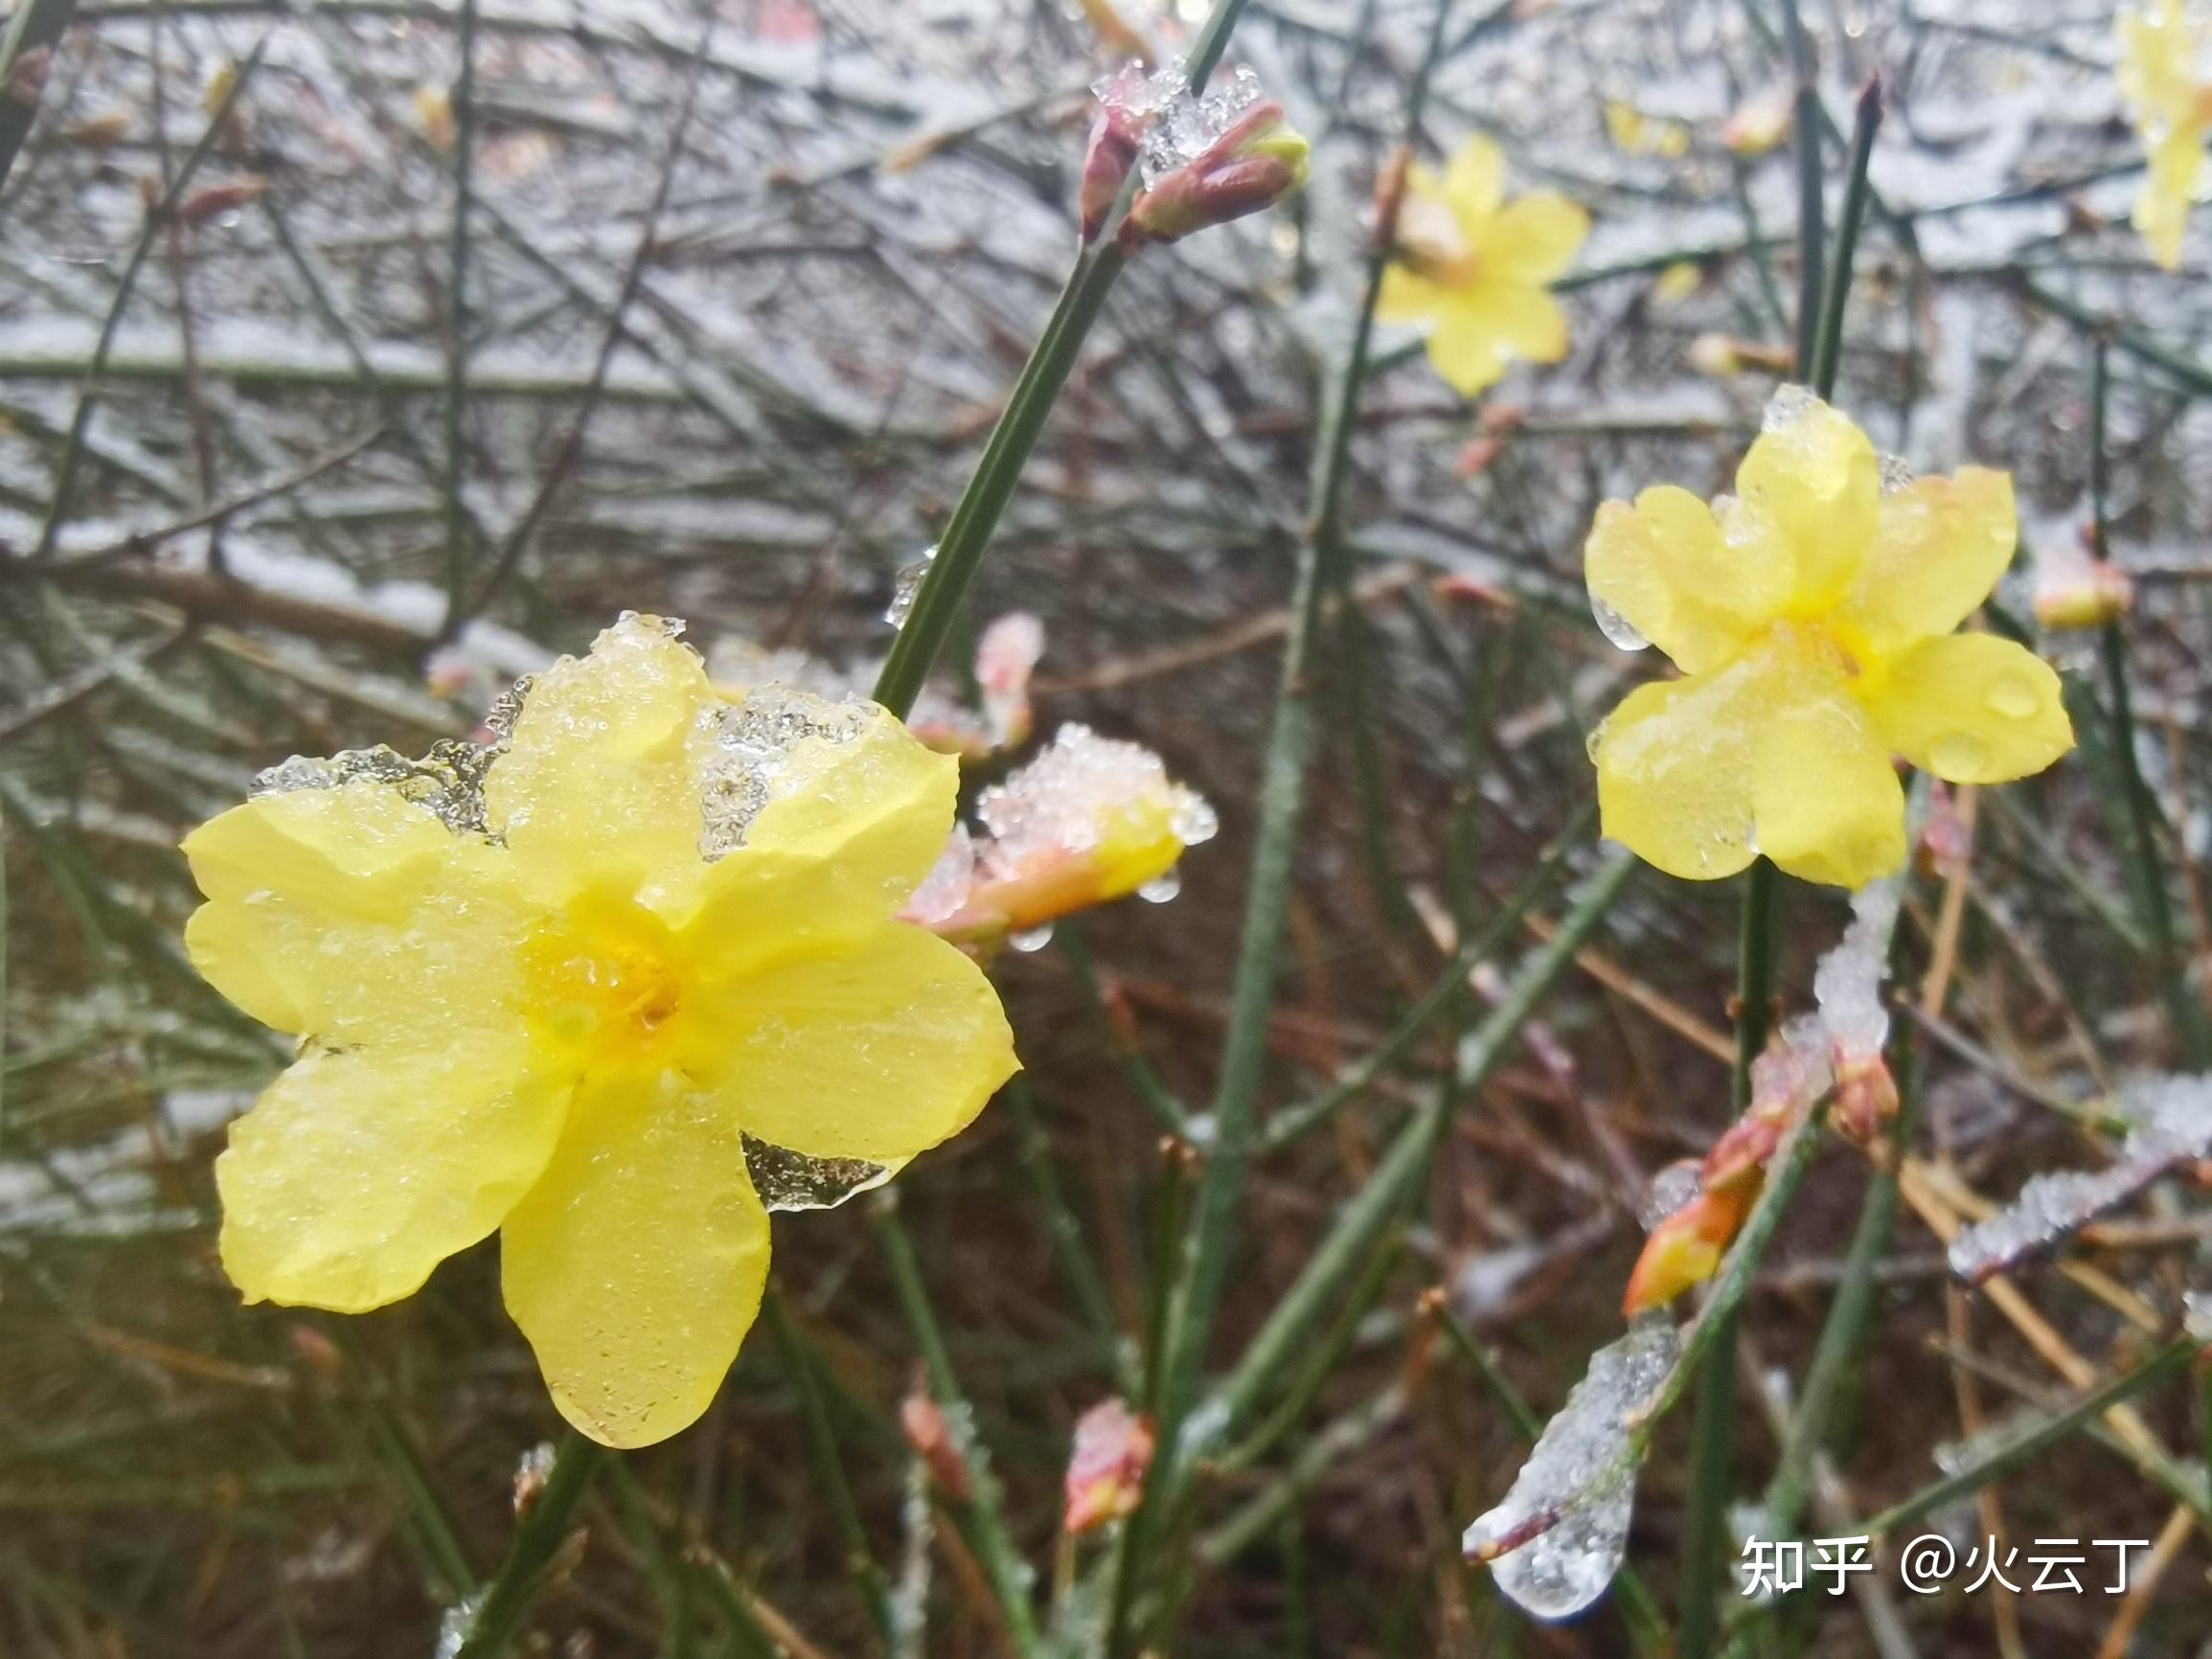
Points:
490	1622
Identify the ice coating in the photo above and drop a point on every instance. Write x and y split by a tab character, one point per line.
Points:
1178	127
447	782
1068	796
1847	984
905	585
2171	1120
788	1180
1580	1480
1671	1188
746	746
945	889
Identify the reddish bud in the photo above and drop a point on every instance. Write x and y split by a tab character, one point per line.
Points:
930	1438
1866	1095
1255	163
1105	1466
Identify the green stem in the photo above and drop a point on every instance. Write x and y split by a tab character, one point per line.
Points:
1810	208
2017	1448
1282	800
975	515
984	1508
457	525
490	1624
1828	339
2183	1012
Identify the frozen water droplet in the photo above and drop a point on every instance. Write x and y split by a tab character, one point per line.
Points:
1596	741
744	748
455	1627
1895	474
1847	982
905	585
1958	756
1161	888
1194	819
1031	938
1790	404
2013	698
788	1180
1669	1190
1615	626
1581	1479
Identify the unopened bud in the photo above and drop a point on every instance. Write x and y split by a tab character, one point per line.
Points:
1866	1095
1105	1466
2082	594
1390	194
220	198
931	1439
1255	163
317	1351
1686	1248
1760	122
1116	136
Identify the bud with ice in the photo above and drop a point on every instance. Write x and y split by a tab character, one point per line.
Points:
2074	589
1089	820
1105	1466
1205	158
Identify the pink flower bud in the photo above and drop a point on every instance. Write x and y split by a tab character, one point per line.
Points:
1257	162
1105	1468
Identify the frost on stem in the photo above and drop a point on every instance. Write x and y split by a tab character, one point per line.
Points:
1560	1534
2170	1121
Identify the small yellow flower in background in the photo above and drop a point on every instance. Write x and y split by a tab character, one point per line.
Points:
1474	266
1812	615
612	986
1760	122
1640	134
1677	282
1090	820
2165	77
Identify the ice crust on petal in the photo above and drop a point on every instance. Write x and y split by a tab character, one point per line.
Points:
1582	1472
1671	1188
788	1180
447	782
2171	1120
747	746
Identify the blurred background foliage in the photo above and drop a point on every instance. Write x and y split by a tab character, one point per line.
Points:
335	392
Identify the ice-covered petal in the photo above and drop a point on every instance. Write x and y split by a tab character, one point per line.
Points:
1970	708
1533	238
634	1265
1665	564
1675	771
599	776
1826	802
1817	478
875	1052
351	912
1939	546
1581	1479
361	1168
829	816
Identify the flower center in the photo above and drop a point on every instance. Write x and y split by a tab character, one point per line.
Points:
1432	243
606	980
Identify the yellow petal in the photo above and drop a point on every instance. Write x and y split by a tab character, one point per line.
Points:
1521	322
1971	708
361	1169
1826	803
1814	476
1534	237
850	824
1769	754
1665	565
1675	771
2169	188
634	1265
598	776
1939	546
1475	182
1406	297
878	1052
1461	352
351	911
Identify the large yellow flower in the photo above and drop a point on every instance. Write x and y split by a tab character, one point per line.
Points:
1812	615
2164	76
614	986
1474	266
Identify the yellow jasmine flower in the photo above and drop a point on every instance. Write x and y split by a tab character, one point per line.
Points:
2163	76
1474	266
1812	615
1640	134
612	986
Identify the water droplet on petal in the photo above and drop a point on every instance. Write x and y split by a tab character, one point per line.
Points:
2013	698
1193	820
1958	756
1031	938
1161	888
1615	626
